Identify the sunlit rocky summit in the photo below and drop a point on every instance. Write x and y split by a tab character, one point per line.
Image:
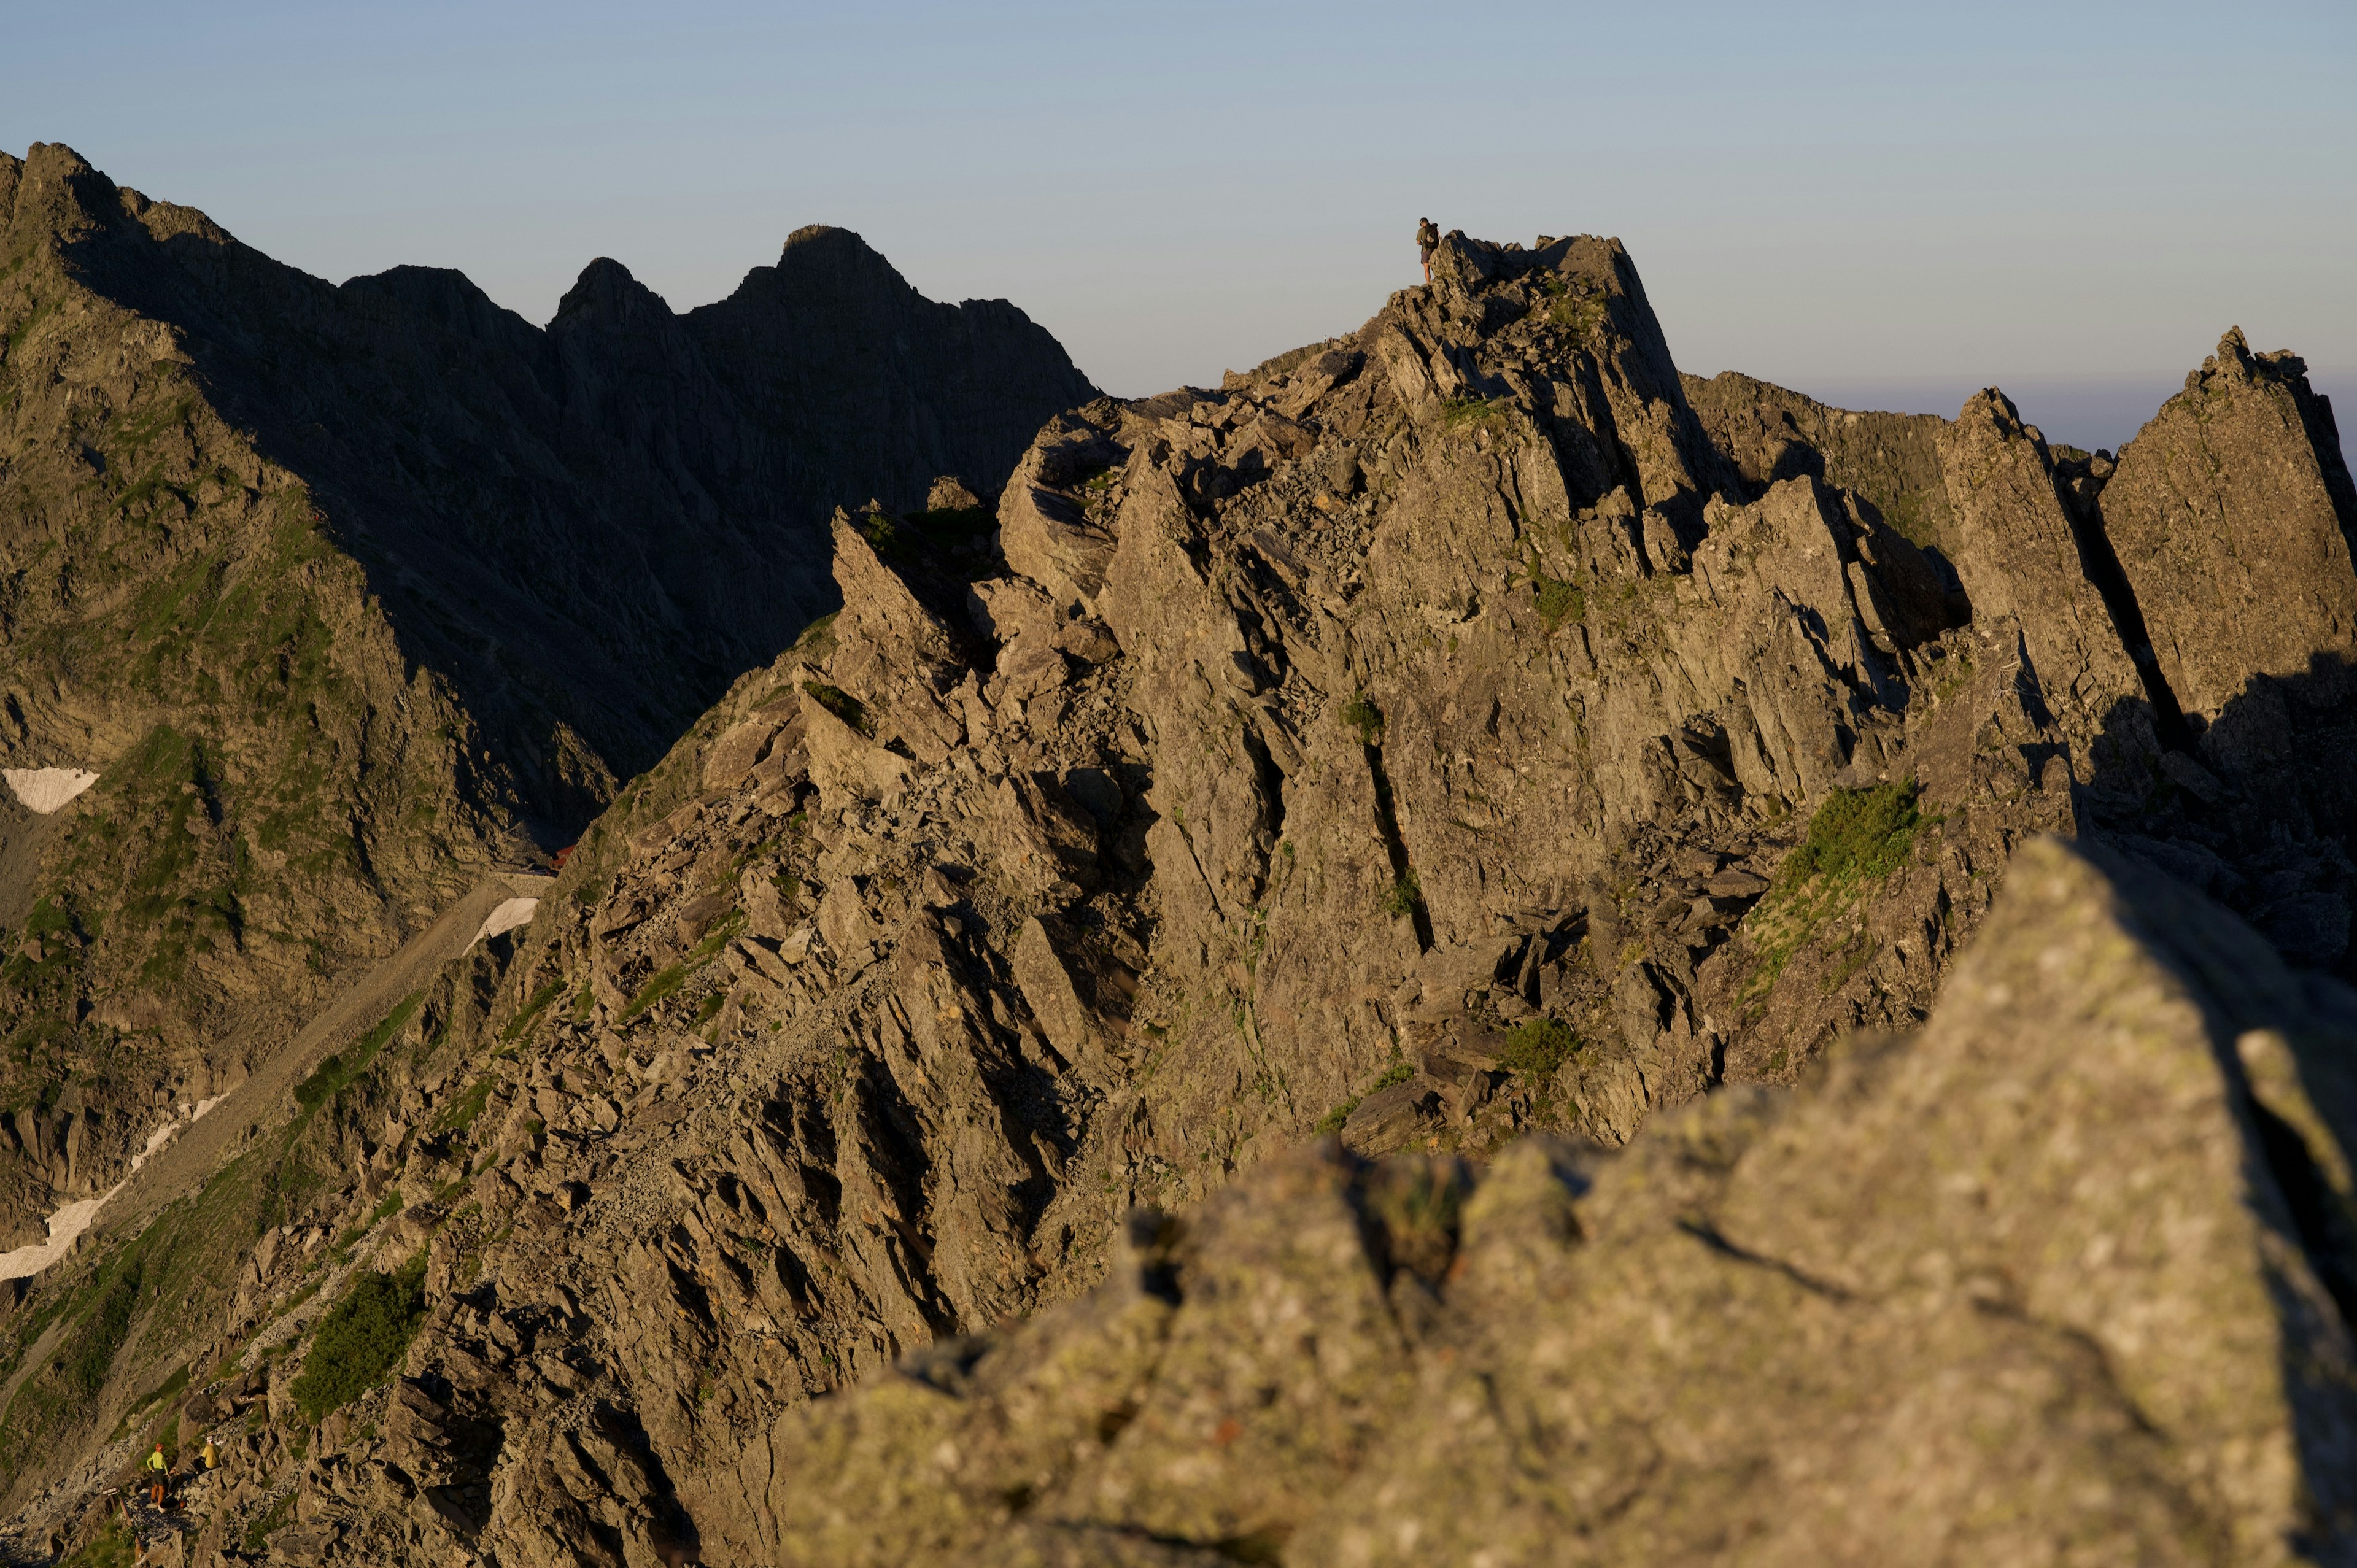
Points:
1464	950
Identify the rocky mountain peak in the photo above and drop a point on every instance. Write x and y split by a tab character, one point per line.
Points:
2234	361
827	239
824	264
606	296
449	300
52	189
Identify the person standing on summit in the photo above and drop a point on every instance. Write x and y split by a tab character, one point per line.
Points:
1427	239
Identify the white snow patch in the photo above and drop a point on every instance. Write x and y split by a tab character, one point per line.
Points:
65	1225
507	918
75	1217
44	789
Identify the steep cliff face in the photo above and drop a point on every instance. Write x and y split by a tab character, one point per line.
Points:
344	594
1467	738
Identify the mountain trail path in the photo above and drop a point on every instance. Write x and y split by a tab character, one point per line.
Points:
181	1165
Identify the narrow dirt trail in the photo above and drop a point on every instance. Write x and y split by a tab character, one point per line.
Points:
184	1163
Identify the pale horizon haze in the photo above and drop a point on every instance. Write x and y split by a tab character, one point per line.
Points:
1881	210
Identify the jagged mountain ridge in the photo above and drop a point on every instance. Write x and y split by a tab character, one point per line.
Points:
346	592
1441	734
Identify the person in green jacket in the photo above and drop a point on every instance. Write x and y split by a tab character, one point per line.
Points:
158	1467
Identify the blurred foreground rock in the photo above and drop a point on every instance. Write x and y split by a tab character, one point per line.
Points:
2064	1276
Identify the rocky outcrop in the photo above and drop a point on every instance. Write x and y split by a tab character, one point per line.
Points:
2020	554
2231	514
2065	1270
2217	571
1891	462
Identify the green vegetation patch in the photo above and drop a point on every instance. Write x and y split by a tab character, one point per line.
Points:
361	1338
1910	513
1362	716
338	1068
1401	897
1580	311
1557	600
170	1388
533	1009
842	705
1856	839
665	982
40	313
1857	835
144	1298
462	1113
660	987
113	1547
817	639
1459	412
882	533
906	539
324	1080
1537	1047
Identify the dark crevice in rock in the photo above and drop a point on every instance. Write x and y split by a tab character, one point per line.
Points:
1709	1236
1269	778
2100	563
2315	1209
1395	847
1152	1237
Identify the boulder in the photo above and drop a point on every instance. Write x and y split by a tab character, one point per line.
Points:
846	762
893	655
741	749
1043	530
1398	1116
949	493
1049	990
1045	844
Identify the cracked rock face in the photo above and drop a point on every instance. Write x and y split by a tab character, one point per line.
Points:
2063	1274
2230	513
1630	815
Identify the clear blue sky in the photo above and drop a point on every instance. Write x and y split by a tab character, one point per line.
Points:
1886	204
